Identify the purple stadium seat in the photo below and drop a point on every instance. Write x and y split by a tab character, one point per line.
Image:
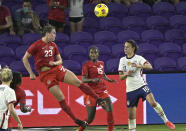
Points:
112	65
178	22
82	38
111	24
73	66
117	10
118	50
42	10
181	8
152	36
134	23
175	36
171	50
123	36
104	52
20	51
105	37
3	64
88	10
6	54
142	10
62	39
29	38
184	49
165	9
158	23
165	64
11	41
148	51
75	52
18	66
181	63
90	24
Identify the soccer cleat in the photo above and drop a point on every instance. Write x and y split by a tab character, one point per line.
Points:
81	123
101	102
170	125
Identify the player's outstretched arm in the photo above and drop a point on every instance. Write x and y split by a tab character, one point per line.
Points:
108	79
15	116
27	65
85	79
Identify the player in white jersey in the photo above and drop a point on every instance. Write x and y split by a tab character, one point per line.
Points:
76	15
7	98
130	68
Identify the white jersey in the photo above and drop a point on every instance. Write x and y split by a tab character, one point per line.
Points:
136	80
7	96
76	8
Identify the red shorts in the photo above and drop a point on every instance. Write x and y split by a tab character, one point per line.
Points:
90	101
53	76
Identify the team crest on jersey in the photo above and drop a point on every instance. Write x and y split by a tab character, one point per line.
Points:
51	47
129	63
48	82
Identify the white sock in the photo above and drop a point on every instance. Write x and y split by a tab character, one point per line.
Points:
160	112
132	124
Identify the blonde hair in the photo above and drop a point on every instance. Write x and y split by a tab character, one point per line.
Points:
6	74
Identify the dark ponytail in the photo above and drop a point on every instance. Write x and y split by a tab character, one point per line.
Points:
17	79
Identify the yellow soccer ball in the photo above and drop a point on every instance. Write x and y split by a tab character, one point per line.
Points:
101	10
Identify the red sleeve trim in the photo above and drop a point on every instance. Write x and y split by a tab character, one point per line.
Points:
12	102
120	71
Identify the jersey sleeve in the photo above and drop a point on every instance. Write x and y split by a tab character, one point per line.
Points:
142	60
7	12
32	49
10	96
85	70
56	50
121	65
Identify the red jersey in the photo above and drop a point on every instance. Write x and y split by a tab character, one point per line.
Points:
5	12
43	53
95	70
57	14
20	96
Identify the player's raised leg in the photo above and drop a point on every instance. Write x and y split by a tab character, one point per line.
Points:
58	94
159	110
70	78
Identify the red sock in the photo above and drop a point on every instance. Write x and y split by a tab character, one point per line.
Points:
87	90
67	109
110	121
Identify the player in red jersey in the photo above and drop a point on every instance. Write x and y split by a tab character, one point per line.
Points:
20	95
51	72
93	74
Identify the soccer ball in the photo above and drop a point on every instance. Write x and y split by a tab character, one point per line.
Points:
101	10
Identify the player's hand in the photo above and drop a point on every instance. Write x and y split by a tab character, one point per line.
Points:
135	65
20	127
96	80
32	76
129	73
52	63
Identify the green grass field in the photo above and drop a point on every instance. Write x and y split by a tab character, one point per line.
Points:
179	127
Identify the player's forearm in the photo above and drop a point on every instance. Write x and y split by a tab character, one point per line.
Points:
4	26
27	65
106	78
146	66
87	80
58	62
14	114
